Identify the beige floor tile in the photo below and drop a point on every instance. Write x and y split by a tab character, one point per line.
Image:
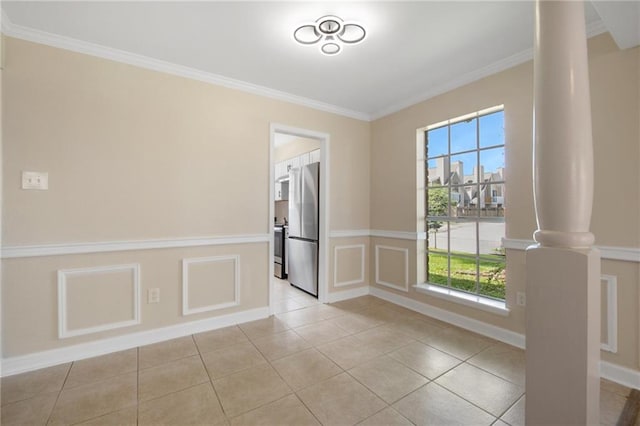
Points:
354	322
415	327
610	386
232	359
305	368
499	423
348	352
611	405
288	411
327	311
384	339
386	417
193	406
408	314
380	313
263	327
515	415
387	378
487	391
249	389
457	342
95	399
434	405
281	344
32	411
341	400
295	319
27	385
126	417
287	304
102	367
358	303
171	377
219	339
349	304
305	300
502	360
163	352
424	359
321	332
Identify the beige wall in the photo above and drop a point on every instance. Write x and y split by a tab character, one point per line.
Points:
134	154
614	92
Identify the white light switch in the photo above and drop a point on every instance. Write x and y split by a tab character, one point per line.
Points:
35	180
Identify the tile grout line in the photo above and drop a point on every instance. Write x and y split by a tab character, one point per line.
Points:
206	369
60	392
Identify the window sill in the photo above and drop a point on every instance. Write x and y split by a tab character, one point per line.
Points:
479	302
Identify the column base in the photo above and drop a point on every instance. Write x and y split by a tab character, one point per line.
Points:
563	336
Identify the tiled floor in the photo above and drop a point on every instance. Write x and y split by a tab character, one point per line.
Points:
360	361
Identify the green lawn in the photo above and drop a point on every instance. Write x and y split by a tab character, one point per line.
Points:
463	271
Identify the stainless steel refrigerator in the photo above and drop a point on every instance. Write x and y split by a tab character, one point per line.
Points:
304	202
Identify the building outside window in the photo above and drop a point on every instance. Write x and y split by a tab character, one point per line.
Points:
465	203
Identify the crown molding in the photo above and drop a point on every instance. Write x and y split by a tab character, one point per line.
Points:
75	45
42	37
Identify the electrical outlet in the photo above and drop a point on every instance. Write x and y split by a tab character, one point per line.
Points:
521	298
35	180
153	295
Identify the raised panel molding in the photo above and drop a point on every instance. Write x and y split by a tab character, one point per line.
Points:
63	274
405	252
186	310
611	283
358	280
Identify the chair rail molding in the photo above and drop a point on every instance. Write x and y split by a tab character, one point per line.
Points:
629	254
10	252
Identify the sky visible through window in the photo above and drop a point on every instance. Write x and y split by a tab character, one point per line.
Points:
463	138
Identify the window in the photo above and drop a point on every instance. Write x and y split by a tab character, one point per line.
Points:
465	204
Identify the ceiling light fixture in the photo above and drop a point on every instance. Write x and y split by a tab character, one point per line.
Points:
331	32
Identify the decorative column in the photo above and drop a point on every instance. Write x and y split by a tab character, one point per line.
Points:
563	270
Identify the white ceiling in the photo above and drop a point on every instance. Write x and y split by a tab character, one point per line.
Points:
413	50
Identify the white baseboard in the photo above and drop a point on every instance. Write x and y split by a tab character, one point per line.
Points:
498	333
34	361
622	375
615	373
347	294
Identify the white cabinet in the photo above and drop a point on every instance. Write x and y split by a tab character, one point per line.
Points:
293	163
314	156
305	159
281	191
280	170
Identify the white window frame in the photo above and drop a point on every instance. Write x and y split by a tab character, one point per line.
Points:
447	292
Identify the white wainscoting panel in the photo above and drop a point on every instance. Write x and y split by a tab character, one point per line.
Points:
187	263
404	286
65	275
611	318
336	257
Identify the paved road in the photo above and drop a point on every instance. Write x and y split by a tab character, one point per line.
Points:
463	237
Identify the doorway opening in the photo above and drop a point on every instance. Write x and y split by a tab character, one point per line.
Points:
291	148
